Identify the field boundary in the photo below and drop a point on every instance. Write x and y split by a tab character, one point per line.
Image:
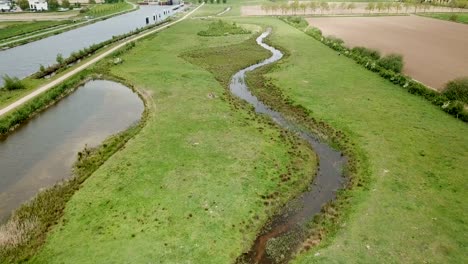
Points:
454	108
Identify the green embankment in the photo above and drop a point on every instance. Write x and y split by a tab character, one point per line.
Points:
455	17
415	210
11	29
188	187
100	10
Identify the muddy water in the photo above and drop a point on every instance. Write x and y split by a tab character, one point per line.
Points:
285	229
42	151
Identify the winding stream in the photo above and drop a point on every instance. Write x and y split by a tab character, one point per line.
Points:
296	213
41	152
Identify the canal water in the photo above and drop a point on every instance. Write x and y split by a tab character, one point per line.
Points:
289	223
41	152
24	60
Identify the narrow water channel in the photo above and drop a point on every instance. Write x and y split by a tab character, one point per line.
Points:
41	152
288	224
25	60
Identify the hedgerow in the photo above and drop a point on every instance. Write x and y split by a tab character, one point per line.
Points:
450	102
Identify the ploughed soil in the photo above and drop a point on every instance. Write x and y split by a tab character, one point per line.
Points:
434	51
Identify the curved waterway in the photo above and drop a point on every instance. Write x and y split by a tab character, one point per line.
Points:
41	152
290	221
25	60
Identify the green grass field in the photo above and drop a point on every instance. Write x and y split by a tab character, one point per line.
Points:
100	10
414	211
455	17
11	29
187	188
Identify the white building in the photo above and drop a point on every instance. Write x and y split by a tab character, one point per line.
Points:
5	5
38	5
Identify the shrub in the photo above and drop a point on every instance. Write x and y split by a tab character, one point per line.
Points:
371	53
221	28
457	89
453	17
392	62
12	83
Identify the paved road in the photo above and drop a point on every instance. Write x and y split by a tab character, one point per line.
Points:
67	75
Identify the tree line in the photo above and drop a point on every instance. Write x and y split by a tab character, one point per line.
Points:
407	6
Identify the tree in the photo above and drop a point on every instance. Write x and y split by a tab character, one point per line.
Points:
370	7
303	7
65	4
426	6
12	83
388	6
462	5
324	7
397	6
343	7
379	6
407	5
284	8
53	5
274	8
295	6
332	7
92	2
59	58
351	6
23	4
313	6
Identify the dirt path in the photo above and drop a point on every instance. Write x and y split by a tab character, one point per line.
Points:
67	75
434	51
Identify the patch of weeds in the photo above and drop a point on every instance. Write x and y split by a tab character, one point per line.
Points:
222	28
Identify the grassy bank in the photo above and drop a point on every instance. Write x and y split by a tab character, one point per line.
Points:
101	10
189	186
96	12
414	209
11	29
454	17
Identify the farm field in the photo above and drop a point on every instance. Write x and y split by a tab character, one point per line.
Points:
433	61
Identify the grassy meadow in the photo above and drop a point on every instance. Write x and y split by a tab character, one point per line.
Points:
11	29
455	17
100	10
189	186
414	210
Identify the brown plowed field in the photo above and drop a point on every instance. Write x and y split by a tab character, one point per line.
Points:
434	51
